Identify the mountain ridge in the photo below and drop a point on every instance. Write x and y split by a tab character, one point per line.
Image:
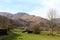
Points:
24	19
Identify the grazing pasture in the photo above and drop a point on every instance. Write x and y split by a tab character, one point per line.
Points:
18	35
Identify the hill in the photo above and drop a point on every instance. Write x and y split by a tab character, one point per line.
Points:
5	22
24	19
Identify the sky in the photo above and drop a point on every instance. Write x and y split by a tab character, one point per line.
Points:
33	7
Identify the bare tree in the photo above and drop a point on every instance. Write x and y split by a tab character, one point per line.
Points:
51	17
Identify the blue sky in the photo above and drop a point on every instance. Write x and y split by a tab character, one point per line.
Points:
33	7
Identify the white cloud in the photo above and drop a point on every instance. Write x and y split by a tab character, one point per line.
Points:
47	4
39	12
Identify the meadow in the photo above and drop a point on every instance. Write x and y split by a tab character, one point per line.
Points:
18	35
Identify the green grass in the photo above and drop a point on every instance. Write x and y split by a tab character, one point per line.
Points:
24	36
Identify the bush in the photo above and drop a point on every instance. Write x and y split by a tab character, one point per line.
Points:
36	28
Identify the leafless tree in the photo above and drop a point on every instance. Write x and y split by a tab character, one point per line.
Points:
51	17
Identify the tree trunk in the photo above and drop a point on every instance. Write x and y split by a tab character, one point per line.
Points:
52	32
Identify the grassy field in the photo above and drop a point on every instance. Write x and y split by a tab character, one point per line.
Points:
24	36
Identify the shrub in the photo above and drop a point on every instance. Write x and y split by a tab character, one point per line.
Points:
36	28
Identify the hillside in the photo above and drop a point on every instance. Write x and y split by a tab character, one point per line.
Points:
57	20
6	14
24	19
5	22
